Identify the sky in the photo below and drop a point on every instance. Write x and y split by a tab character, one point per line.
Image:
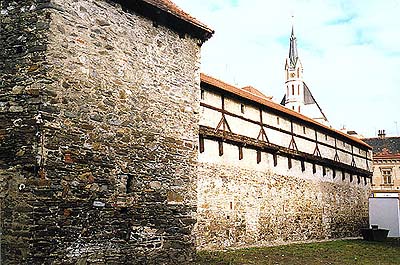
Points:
349	49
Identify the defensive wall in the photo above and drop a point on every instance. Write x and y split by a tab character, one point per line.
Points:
270	175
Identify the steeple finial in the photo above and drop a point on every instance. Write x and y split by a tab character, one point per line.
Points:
293	55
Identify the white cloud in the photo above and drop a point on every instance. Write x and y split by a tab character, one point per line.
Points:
350	51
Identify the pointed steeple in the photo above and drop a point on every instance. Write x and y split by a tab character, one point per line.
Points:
293	56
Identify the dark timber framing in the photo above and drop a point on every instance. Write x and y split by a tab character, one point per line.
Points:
251	143
284	131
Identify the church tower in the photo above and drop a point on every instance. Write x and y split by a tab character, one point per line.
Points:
298	96
294	99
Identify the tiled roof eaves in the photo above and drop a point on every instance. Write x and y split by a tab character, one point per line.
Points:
277	107
165	12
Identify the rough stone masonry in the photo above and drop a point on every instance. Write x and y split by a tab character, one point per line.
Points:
98	134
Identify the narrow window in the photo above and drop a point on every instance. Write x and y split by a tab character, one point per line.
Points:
303	166
129	184
231	205
304	128
201	144
287	90
258	156
289	162
298	73
275	159
220	148
202	94
293	90
242	108
324	171
298	89
277	120
314	168
299	109
351	178
343	175
326	137
334	173
240	152
292	107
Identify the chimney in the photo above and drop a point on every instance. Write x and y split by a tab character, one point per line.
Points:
381	134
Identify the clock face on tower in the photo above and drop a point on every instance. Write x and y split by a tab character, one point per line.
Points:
292	74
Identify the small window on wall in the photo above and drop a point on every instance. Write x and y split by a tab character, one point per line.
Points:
299	109
202	94
242	108
287	88
298	89
277	120
293	90
304	128
292	107
387	175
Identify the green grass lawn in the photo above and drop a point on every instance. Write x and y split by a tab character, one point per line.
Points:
332	252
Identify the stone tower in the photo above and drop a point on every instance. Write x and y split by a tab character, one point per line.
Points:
298	96
98	131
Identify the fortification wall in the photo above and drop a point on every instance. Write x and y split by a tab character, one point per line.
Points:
243	203
99	111
268	177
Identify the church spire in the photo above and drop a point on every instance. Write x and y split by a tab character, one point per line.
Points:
293	56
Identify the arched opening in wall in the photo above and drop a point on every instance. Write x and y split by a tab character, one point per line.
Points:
334	173
202	94
324	171
351	177
303	166
293	90
292	107
289	162
240	152
314	168
343	175
258	156
275	156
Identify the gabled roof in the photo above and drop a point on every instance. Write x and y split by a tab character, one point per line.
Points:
218	84
165	12
384	146
256	92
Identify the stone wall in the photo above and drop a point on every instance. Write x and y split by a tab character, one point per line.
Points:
256	187
99	113
244	204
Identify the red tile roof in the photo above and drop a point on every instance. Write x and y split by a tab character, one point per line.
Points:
165	12
172	8
270	104
256	92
